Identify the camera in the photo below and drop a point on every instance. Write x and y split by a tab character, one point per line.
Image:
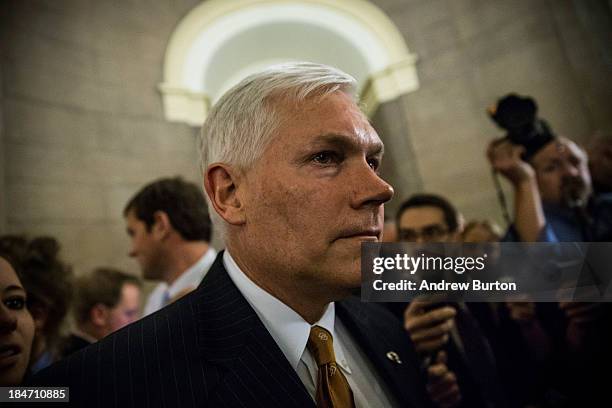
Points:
519	117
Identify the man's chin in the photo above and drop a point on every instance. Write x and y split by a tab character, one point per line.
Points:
574	201
574	193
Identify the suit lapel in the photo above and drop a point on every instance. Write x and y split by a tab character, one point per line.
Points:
384	347
254	370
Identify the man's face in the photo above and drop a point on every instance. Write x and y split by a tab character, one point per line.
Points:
16	327
145	247
126	311
562	173
423	224
314	196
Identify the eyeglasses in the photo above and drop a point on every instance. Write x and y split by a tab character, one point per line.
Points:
428	233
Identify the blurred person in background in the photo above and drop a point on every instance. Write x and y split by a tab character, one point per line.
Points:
481	231
48	283
521	344
457	355
553	193
105	301
170	231
599	149
554	201
16	325
485	235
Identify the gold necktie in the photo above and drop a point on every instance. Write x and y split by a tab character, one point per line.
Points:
333	391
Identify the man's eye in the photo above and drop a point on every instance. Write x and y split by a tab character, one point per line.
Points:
15	303
407	235
374	163
550	168
327	157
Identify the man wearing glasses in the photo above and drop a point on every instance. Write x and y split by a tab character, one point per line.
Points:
445	335
427	218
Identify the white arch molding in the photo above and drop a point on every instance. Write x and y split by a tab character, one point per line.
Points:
220	42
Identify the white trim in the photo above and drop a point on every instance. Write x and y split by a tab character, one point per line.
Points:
386	85
360	28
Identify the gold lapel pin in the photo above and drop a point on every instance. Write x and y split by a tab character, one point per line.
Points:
393	356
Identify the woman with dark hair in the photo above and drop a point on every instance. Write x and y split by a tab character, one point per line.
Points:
16	326
48	283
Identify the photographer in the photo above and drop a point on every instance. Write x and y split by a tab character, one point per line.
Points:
554	202
553	197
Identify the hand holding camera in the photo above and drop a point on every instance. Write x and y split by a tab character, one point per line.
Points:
525	135
506	158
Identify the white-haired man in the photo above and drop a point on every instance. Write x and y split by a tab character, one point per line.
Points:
290	168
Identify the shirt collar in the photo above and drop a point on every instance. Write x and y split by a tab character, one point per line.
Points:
193	275
287	328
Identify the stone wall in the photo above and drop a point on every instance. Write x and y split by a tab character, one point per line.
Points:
84	126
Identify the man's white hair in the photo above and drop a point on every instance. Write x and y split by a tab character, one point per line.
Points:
241	124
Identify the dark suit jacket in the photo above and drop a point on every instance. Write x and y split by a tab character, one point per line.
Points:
72	344
209	349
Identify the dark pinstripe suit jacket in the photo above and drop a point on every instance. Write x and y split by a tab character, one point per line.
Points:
209	349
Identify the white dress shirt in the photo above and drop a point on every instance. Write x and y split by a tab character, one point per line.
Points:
191	278
291	331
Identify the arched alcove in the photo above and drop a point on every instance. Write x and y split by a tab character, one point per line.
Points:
219	42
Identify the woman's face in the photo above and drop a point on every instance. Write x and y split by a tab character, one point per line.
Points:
16	327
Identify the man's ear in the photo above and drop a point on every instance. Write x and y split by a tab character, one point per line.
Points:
221	183
161	224
98	315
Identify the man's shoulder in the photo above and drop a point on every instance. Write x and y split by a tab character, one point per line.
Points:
157	357
373	322
170	337
74	343
150	334
373	313
382	338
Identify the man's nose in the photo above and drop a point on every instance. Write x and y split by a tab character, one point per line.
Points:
420	239
8	320
370	188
